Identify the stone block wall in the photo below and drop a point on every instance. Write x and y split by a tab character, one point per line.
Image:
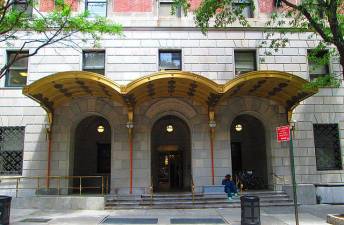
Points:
135	55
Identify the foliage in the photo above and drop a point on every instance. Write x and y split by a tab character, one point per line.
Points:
46	29
322	18
323	81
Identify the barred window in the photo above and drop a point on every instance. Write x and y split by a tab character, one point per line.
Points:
11	150
327	147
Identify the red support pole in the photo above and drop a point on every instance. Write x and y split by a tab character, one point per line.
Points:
212	154
47	184
131	160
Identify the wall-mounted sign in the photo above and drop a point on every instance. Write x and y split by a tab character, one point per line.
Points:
283	133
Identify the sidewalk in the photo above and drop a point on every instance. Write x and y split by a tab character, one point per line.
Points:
309	215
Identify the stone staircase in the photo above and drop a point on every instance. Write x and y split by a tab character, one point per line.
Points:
185	201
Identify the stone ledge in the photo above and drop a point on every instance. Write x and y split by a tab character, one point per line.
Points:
59	202
335	219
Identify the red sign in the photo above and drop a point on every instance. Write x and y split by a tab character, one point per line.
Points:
283	133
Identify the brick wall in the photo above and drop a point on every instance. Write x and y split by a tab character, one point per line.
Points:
132	5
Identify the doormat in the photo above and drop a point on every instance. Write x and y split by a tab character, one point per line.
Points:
197	221
35	220
115	220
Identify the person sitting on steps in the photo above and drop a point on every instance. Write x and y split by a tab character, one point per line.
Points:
230	187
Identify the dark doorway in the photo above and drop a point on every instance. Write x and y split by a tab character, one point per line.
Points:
249	151
236	157
171	155
92	155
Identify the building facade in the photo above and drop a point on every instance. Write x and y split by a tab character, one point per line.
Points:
164	107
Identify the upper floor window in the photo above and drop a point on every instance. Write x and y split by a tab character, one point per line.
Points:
11	150
170	60
96	7
245	7
317	64
16	75
327	147
245	61
94	61
165	9
22	6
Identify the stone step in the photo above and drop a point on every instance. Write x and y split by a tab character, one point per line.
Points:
179	202
184	200
194	206
284	197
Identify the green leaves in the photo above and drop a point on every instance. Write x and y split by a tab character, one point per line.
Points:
325	81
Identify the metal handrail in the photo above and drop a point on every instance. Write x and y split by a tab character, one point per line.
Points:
58	186
193	190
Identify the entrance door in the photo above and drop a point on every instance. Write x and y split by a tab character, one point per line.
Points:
170	176
171	155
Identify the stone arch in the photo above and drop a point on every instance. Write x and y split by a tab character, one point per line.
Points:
177	106
271	115
68	116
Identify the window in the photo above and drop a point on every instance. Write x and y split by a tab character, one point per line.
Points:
245	61
17	73
170	60
22	6
94	61
165	9
327	147
317	64
96	7
11	150
244	6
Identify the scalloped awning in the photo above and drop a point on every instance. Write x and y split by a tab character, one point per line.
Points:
54	90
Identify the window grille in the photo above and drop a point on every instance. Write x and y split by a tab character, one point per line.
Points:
11	150
96	7
245	61
94	61
16	75
327	147
170	60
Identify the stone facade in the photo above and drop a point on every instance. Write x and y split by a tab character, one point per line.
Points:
135	54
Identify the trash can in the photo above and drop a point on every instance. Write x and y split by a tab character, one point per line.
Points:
250	210
5	207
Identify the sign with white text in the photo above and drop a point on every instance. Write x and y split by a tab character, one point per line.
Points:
283	133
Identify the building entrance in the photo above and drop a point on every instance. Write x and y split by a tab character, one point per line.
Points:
170	155
92	153
248	152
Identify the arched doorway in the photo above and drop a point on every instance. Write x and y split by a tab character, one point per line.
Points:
248	150
92	153
170	155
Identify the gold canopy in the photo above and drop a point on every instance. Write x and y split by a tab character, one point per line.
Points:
54	90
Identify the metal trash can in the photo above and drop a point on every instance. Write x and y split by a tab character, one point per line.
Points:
5	207
250	210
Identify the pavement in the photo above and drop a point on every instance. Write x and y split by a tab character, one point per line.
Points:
308	214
